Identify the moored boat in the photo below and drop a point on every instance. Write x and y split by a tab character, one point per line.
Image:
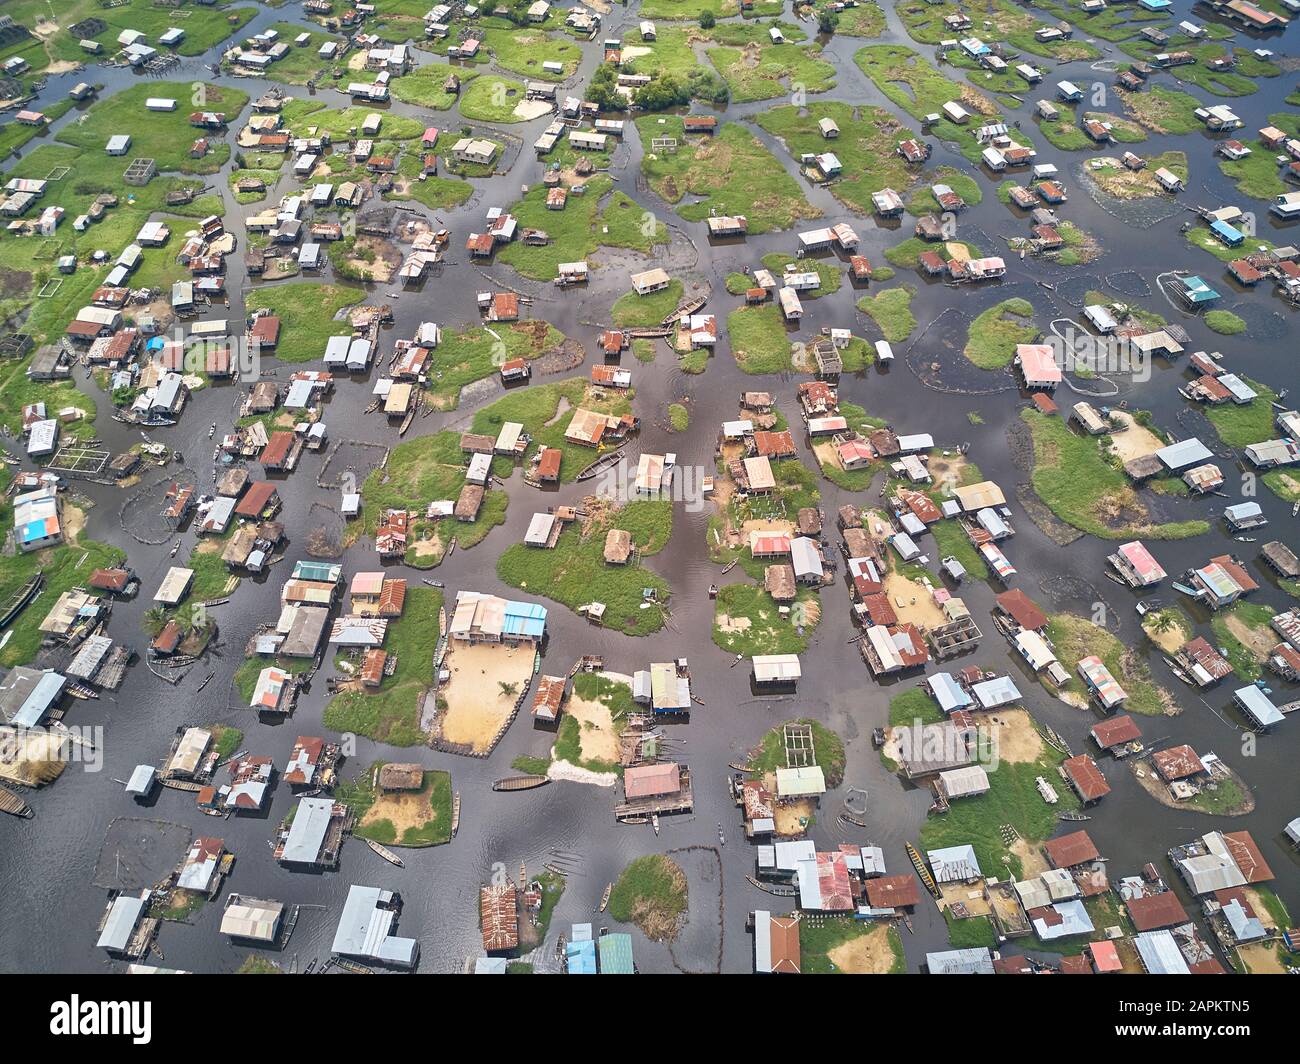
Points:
384	852
520	783
10	803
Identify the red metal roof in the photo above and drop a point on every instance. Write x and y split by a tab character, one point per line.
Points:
1070	850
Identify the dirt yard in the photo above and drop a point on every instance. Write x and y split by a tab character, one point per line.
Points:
967	894
1259	641
477	707
1171	639
1132	440
912	602
530	109
789	814
1261	958
1017	739
867	954
1032	862
599	739
403	809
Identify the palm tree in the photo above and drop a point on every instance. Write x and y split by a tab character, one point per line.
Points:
155	620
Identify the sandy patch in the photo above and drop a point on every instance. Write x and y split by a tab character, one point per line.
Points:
357	61
867	954
732	624
477	707
877	526
1259	641
1289	482
74	520
789	814
632	51
599	740
947	468
427	548
1132	440
971	895
766	525
1262	958
912	602
1032	862
1171	639
530	109
1018	741
563	770
957	251
406	809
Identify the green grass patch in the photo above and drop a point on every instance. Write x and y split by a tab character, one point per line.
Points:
819	939
731	173
748	621
759	341
434	796
391	713
1242	425
1075	638
828	751
891	310
652	894
575	573
635	311
993	336
1253	617
307	313
1084	486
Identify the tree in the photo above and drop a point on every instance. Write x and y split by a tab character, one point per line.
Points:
155	620
707	21
827	22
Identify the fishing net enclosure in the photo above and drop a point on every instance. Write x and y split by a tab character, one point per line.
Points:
325	538
141	515
139	853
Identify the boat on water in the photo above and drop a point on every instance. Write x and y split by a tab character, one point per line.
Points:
856	821
600	465
181	785
384	852
1070	814
13	805
520	783
740	768
604	898
772	888
922	871
729	566
455	814
556	870
654	822
432	583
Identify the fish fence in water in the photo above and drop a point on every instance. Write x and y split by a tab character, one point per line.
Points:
141	515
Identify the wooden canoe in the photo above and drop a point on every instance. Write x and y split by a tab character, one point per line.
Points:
520	783
12	804
384	852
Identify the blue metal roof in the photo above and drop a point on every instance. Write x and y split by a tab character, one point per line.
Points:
999	691
1226	233
616	954
581	956
948	693
524	619
38	703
